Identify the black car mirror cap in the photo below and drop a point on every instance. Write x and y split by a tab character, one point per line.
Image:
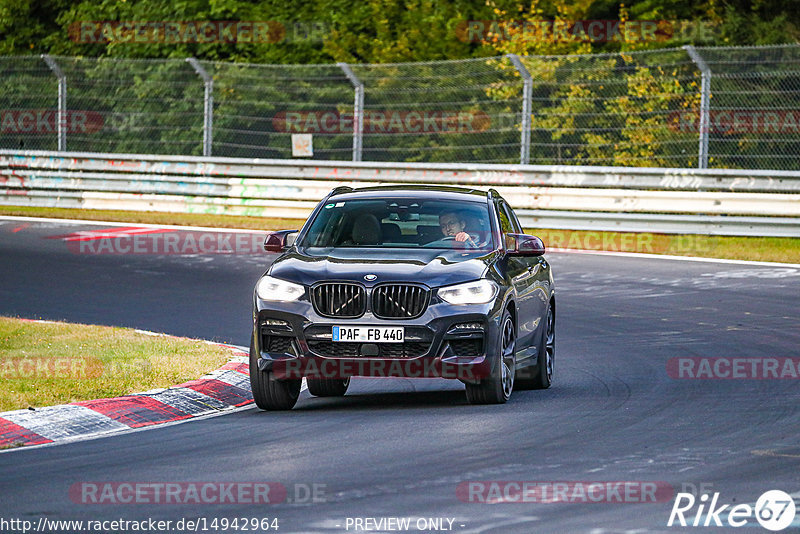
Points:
280	240
525	245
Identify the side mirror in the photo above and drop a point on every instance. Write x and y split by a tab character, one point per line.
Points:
525	245
280	240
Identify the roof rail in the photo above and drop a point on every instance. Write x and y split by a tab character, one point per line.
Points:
341	189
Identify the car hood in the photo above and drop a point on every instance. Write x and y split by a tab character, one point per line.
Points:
432	267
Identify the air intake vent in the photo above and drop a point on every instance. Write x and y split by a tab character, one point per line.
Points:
467	347
331	349
399	301
339	300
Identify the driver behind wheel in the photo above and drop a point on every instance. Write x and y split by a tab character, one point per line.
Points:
452	225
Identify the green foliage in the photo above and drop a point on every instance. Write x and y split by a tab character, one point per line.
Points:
379	31
321	31
593	102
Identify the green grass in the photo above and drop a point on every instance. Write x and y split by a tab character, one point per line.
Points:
43	364
778	249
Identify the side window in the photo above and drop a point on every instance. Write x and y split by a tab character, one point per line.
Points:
505	222
513	218
508	220
508	223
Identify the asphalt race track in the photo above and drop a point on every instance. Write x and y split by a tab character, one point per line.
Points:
403	448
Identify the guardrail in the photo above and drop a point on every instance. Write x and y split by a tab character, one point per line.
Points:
721	202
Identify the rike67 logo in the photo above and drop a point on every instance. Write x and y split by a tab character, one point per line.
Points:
774	510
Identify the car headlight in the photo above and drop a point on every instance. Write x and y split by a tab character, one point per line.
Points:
478	292
269	288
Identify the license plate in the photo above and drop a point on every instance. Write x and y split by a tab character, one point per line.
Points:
369	334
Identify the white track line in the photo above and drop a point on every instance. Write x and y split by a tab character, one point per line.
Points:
127	224
676	258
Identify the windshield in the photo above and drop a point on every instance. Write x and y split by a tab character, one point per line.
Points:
402	223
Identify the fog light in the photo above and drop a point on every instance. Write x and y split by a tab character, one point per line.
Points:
274	322
468	326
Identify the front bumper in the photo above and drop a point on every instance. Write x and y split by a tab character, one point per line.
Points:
446	341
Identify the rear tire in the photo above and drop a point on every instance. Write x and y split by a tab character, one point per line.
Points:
497	387
328	387
269	393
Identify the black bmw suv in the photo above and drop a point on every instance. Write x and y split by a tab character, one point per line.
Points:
412	281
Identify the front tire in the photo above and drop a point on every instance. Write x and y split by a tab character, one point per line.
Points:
269	393
547	356
497	387
328	387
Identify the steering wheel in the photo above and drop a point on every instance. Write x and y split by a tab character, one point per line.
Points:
467	244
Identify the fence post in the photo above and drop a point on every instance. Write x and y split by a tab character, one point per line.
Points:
705	104
358	109
208	104
527	96
62	101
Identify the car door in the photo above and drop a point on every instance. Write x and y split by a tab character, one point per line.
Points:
526	277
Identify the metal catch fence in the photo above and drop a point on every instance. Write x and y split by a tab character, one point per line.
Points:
731	107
